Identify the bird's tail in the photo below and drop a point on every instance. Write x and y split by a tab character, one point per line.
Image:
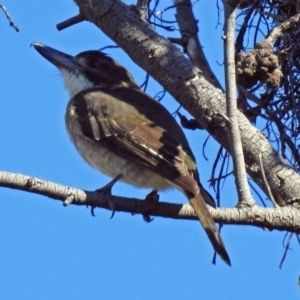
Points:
198	204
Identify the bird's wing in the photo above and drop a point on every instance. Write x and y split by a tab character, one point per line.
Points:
137	127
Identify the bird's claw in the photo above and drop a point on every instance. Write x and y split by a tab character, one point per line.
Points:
153	197
112	214
147	218
93	211
106	190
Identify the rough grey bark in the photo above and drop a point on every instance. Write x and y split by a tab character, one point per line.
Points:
240	176
285	218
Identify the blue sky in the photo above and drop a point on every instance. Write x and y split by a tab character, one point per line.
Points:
52	252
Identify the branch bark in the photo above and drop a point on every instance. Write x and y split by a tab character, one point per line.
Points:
240	176
189	39
277	31
285	218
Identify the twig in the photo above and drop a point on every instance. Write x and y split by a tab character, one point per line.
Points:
239	42
142	7
11	22
286	250
277	31
70	22
189	40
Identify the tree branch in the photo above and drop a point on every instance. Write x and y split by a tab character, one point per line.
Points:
189	39
277	31
285	218
70	22
11	22
240	175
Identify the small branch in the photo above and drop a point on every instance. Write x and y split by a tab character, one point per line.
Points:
241	34
287	247
142	7
11	22
277	31
188	26
242	186
70	22
284	218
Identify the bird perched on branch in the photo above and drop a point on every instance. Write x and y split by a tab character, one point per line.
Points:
124	133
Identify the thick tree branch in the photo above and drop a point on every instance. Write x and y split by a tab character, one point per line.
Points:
176	74
285	218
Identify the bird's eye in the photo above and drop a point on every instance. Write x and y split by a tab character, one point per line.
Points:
94	64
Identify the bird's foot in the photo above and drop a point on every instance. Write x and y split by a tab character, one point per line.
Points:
152	197
106	190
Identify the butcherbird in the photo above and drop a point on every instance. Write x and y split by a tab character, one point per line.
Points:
123	132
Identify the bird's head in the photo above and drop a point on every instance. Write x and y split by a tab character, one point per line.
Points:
87	69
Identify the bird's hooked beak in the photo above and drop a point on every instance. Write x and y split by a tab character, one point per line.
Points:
60	59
